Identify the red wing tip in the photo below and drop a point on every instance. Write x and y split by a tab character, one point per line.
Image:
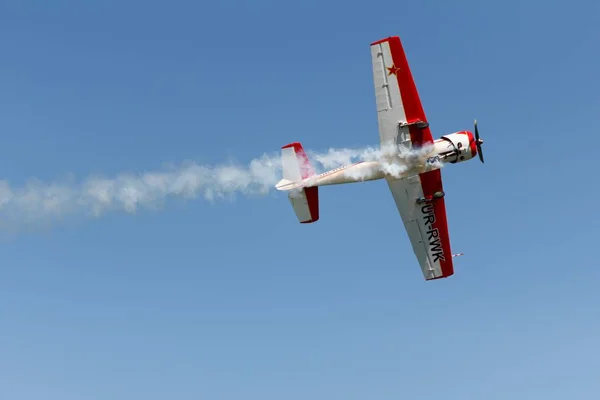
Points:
294	144
446	275
447	270
387	39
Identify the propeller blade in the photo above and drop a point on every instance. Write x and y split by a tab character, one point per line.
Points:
478	142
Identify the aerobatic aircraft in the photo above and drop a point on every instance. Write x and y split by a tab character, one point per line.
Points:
416	187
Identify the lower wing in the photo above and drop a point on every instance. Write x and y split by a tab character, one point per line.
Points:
420	201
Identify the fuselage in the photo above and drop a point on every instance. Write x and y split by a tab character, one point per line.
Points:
449	149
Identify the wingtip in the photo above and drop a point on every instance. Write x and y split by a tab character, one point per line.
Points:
387	39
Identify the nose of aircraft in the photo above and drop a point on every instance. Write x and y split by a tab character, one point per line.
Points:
472	144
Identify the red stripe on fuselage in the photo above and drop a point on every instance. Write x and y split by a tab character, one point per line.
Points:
431	182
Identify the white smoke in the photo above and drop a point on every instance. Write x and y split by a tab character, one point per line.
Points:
391	160
37	201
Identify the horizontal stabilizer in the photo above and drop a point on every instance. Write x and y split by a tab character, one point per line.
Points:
306	204
286	184
296	169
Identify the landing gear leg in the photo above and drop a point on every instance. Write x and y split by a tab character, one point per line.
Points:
437	195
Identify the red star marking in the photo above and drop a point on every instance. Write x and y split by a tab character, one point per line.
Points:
393	70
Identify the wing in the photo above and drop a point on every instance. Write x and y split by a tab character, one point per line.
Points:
425	223
402	122
399	111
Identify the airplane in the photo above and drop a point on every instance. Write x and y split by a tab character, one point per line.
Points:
417	189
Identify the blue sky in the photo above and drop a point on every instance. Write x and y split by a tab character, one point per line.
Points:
235	299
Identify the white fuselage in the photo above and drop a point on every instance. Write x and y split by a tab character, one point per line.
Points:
452	148
360	172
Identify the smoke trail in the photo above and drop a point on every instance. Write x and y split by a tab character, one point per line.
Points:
392	161
42	202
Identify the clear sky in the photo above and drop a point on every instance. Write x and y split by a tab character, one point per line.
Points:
235	299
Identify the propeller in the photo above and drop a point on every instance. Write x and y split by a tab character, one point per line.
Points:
478	142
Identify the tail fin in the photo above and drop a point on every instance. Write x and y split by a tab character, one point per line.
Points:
296	168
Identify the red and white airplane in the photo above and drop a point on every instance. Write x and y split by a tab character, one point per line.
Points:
417	189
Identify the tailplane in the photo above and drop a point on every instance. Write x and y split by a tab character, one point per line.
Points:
296	170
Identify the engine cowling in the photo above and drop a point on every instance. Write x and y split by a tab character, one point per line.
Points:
456	147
